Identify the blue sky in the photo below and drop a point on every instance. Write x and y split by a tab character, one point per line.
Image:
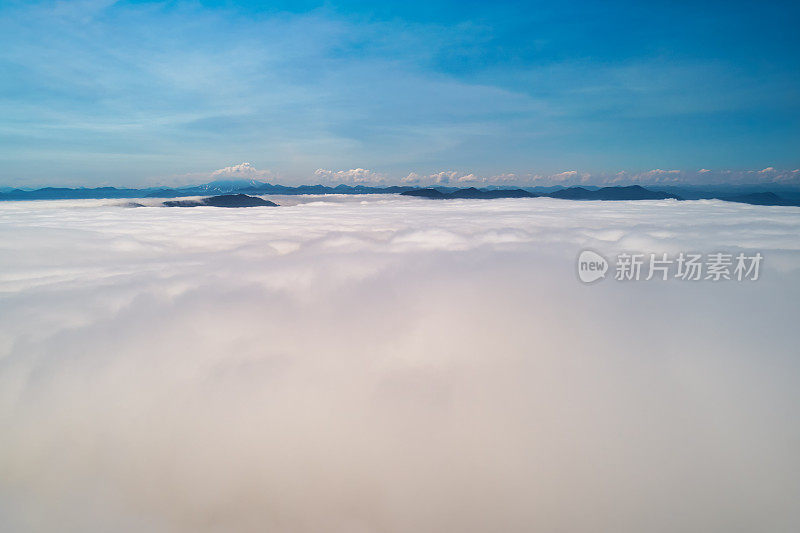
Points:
144	93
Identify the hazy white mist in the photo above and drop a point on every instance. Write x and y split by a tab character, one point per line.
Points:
361	364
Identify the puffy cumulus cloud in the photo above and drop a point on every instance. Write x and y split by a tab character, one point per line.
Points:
354	176
654	176
565	178
568	177
451	178
242	170
444	177
574	177
781	176
411	179
705	176
504	179
766	176
659	176
383	363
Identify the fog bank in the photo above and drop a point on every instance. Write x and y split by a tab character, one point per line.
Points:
389	364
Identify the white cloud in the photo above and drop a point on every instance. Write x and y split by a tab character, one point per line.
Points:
354	176
444	177
383	363
771	174
504	179
242	170
565	176
411	179
659	176
659	172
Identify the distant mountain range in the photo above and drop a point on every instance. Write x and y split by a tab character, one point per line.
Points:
213	188
632	192
470	193
753	195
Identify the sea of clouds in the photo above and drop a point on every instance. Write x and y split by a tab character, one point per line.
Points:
383	364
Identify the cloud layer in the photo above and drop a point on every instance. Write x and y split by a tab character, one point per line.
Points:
389	364
766	177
